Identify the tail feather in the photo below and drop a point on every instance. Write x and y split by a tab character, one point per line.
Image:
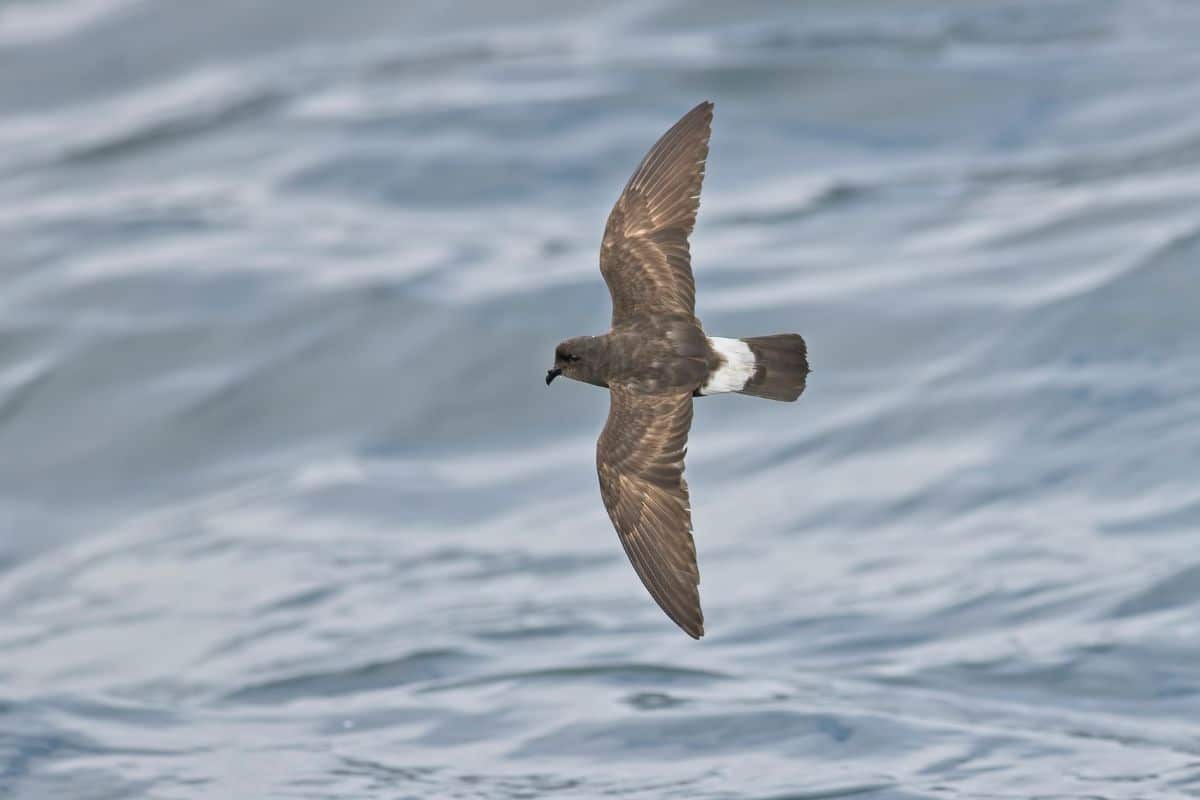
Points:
780	366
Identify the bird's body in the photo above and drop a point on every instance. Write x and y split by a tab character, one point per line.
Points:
652	355
656	358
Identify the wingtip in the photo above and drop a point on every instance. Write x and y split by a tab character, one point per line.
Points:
693	628
702	109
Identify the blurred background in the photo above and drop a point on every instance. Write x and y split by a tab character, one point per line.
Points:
287	511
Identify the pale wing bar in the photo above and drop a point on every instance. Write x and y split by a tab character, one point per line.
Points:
645	258
639	459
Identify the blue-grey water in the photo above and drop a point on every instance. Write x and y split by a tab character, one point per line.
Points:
287	511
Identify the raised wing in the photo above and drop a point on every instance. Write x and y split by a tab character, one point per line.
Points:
640	461
645	257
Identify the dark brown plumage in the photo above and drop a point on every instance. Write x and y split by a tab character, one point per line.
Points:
645	258
656	358
640	461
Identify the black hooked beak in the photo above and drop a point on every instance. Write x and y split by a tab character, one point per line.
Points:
551	374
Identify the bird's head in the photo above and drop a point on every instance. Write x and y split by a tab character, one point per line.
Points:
578	359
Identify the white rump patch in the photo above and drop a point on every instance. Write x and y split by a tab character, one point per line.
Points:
738	368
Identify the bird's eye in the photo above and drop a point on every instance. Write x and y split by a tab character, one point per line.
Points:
571	357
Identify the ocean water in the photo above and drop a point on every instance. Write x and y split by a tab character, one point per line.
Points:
287	511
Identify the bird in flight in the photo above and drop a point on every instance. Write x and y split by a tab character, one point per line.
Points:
656	358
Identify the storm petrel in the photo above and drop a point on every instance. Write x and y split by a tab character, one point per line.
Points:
656	358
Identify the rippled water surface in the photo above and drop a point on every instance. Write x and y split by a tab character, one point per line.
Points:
287	511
